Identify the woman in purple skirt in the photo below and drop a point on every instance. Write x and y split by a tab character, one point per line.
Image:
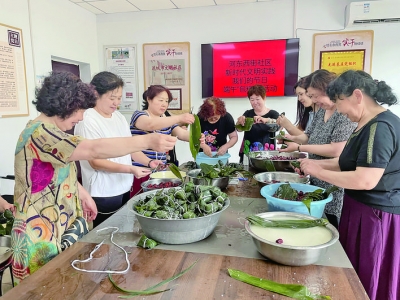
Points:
369	170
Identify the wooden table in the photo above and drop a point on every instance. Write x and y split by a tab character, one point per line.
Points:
208	279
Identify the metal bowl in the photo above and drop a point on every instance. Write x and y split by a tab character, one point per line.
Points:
286	254
266	178
5	249
165	174
280	165
221	182
145	184
182	231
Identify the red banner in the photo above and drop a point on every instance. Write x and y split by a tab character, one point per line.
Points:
238	66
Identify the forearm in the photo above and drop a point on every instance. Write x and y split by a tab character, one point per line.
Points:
110	166
325	150
151	124
140	158
359	179
331	164
293	130
181	134
300	139
109	147
232	141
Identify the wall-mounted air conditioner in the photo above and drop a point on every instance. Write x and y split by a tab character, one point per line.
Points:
372	12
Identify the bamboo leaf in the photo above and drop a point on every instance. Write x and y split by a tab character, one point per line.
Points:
295	291
151	290
258	221
248	123
269	165
175	170
195	135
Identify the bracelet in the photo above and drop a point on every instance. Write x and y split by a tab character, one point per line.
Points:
150	162
298	148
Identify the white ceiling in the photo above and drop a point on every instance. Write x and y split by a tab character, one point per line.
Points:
118	6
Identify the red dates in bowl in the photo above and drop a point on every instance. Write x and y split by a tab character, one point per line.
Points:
160	183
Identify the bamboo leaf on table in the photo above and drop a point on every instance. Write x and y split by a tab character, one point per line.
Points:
151	290
295	291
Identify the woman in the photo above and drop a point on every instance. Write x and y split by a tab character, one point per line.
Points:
305	111
108	181
216	124
49	200
152	119
261	114
326	136
368	169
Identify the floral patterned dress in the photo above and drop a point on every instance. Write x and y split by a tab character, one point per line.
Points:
46	195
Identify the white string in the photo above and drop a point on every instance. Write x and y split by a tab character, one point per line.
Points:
97	247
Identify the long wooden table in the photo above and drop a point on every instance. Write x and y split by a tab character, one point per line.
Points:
208	279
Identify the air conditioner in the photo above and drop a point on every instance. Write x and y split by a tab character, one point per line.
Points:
372	12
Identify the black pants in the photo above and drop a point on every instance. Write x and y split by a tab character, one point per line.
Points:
106	206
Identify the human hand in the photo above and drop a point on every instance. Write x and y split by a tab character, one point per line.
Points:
283	121
155	163
140	172
4	205
259	119
186	118
161	142
222	150
310	167
202	139
88	205
291	147
241	120
206	149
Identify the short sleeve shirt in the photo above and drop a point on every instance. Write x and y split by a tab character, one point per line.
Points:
216	134
376	145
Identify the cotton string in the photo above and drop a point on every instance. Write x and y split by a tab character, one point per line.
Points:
97	248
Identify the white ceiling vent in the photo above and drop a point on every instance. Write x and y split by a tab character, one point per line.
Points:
373	12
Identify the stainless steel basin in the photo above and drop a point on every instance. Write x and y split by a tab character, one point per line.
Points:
286	254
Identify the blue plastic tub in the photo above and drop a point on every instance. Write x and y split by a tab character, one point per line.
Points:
202	158
276	204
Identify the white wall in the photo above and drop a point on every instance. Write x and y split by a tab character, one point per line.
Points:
241	22
50	28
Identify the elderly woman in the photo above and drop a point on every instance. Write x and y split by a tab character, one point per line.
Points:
369	171
326	136
107	180
306	109
261	114
52	208
216	124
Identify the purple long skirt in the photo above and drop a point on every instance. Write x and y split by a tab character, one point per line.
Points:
371	239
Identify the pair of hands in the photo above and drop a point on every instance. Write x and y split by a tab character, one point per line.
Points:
257	119
221	151
207	149
309	167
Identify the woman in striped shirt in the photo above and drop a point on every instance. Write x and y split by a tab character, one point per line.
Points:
153	119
